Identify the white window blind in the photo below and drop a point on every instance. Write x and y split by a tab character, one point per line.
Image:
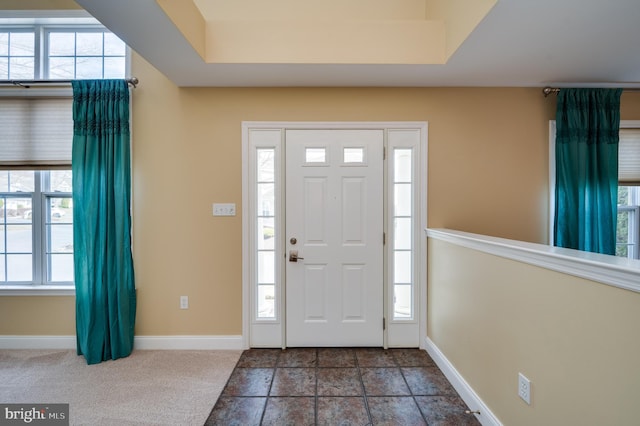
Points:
629	157
35	133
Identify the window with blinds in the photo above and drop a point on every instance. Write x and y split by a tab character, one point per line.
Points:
36	137
629	157
35	133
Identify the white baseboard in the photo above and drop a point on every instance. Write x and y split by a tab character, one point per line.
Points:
468	395
37	342
189	342
139	342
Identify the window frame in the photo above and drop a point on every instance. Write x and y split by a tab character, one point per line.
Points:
47	30
633	237
271	332
40	283
624	124
36	46
42	26
41	23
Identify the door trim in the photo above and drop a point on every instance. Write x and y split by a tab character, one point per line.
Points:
421	222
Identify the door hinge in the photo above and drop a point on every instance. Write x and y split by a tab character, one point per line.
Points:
384	323
384	238
384	153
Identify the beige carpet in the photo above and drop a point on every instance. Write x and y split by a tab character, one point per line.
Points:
147	388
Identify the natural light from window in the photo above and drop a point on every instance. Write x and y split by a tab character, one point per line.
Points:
65	53
628	227
27	199
36	206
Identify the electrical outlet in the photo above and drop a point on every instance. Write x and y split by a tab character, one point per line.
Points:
524	388
184	302
224	209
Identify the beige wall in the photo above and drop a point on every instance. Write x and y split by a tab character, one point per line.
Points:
576	340
487	148
487	174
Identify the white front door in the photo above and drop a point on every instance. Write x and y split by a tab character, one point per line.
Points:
334	237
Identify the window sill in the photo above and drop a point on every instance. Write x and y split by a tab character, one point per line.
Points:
37	290
614	271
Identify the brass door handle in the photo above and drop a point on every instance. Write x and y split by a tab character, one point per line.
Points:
293	256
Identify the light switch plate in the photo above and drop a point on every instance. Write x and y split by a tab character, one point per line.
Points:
224	209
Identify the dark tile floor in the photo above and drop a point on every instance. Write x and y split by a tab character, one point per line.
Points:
338	386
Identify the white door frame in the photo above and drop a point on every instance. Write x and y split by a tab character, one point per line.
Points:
247	228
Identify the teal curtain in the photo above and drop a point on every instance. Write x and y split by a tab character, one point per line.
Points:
587	134
104	277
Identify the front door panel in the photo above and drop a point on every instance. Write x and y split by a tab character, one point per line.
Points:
334	237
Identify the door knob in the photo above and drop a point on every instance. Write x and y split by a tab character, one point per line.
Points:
293	256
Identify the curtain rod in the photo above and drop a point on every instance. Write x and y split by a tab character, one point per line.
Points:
554	90
133	81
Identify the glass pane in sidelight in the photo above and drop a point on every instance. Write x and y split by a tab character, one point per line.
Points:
266	301
402	233
266	267
402	301
402	200
265	233
266	199
265	165
402	271
402	165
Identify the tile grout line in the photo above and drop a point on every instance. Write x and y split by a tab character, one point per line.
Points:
413	397
398	362
317	361
364	391
273	376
